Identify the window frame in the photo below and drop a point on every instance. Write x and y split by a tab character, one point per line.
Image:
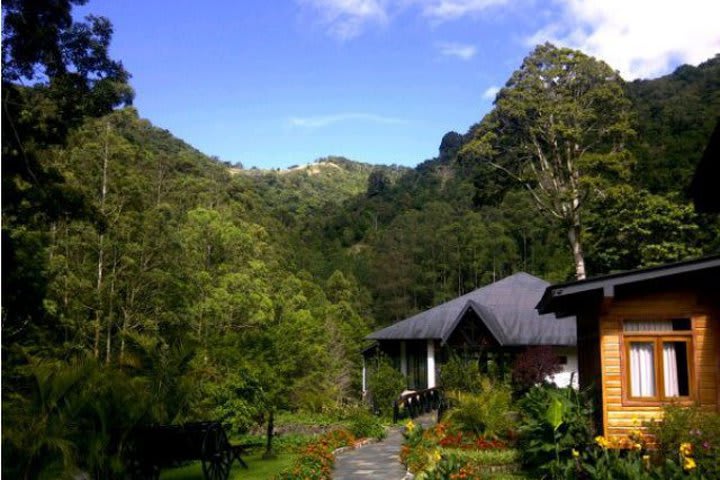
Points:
657	338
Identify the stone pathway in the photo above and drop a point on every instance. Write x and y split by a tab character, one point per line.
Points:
379	461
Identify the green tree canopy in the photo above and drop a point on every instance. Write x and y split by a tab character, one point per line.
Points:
558	117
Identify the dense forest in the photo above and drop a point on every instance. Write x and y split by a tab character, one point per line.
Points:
144	281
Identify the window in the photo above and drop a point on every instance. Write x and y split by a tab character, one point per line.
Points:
658	359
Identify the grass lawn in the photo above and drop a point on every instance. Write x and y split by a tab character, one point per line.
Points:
259	469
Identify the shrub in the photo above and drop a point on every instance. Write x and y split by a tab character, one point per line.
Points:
533	366
485	413
385	384
461	375
363	424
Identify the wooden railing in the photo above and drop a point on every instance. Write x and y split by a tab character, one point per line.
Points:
418	402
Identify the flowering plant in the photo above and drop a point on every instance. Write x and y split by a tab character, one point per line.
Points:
315	460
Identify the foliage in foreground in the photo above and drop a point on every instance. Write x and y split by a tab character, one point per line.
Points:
554	421
77	415
697	430
556	443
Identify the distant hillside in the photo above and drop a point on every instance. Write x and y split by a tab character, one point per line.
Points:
304	190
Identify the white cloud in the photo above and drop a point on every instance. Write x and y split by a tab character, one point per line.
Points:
640	38
459	50
490	93
346	19
318	121
443	10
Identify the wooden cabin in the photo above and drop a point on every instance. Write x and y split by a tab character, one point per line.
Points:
493	323
646	338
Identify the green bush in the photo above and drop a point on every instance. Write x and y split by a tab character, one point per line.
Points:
363	424
486	413
461	375
385	384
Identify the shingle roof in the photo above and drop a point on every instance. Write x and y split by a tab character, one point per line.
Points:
507	308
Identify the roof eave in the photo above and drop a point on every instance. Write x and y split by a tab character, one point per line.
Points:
555	295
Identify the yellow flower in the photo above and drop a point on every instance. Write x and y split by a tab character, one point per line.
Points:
575	453
410	426
600	440
686	449
646	460
436	455
688	464
635	420
637	447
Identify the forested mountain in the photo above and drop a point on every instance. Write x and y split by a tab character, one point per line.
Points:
675	116
144	281
455	222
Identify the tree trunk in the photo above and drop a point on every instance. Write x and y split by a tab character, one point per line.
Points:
108	339
100	265
98	293
270	428
574	237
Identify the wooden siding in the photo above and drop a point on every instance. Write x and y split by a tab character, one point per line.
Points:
619	414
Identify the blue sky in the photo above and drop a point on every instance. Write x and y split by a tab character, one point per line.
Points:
280	82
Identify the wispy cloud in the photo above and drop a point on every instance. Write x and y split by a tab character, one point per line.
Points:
443	10
459	50
345	19
641	39
318	121
490	93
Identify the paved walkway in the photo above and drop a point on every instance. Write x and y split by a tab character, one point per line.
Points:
380	461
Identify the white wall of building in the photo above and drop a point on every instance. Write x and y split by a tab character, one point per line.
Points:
569	371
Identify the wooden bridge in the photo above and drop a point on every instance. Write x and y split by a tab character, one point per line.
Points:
415	403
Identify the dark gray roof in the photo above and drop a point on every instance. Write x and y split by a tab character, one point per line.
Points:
507	308
565	298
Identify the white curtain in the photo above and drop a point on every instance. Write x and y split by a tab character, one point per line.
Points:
643	326
642	360
670	370
642	369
